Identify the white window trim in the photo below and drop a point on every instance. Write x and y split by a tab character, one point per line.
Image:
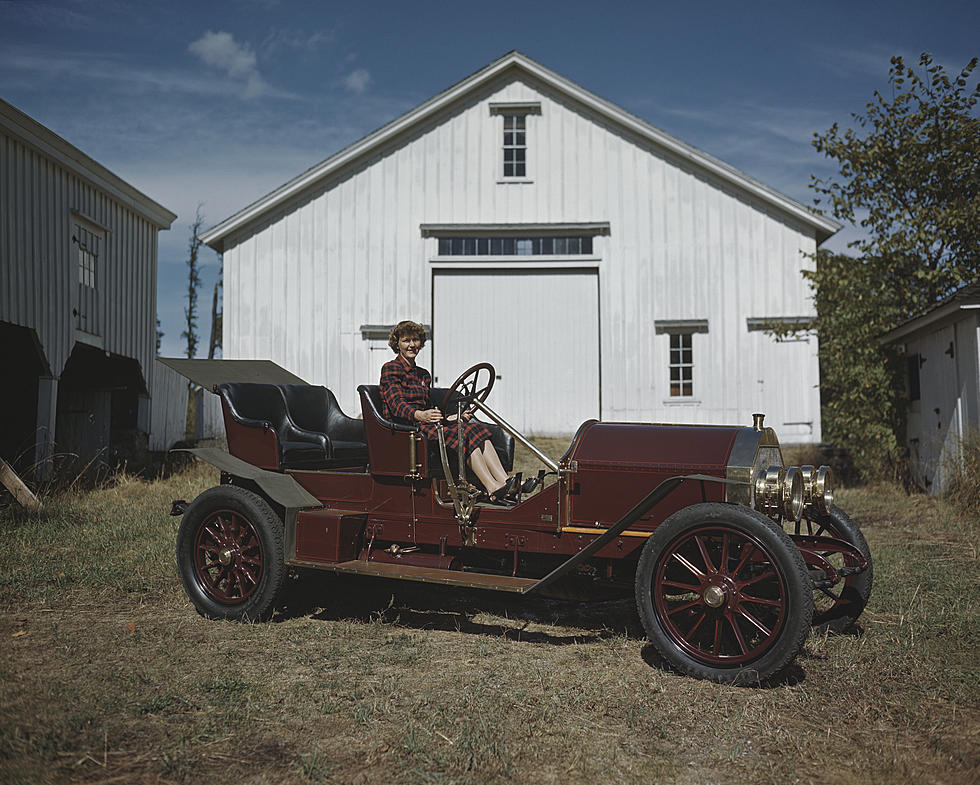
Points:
527	109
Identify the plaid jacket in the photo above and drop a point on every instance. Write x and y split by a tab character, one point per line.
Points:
405	390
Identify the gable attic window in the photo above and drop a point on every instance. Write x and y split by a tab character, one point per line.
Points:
515	137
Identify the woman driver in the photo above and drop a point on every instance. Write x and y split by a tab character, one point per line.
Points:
405	389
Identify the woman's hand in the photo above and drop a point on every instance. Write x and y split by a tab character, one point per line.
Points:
428	415
467	416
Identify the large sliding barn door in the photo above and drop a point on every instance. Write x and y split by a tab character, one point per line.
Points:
538	328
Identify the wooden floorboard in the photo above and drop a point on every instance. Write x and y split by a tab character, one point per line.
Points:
407	572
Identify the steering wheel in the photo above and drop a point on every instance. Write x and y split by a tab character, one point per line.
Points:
467	388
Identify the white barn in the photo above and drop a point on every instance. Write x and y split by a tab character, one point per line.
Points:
78	267
605	268
942	353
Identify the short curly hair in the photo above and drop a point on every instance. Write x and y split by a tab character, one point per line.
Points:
406	327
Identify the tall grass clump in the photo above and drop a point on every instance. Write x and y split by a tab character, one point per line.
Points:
963	473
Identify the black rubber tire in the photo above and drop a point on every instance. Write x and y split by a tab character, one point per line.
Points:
853	597
237	510
791	582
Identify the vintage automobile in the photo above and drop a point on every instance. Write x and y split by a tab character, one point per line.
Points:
732	556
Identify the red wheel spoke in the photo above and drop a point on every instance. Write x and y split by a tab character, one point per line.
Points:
716	644
683	607
754	622
738	635
724	551
679	585
762	601
709	566
701	618
765	576
694	570
747	550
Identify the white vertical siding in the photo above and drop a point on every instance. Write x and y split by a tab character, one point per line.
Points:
681	245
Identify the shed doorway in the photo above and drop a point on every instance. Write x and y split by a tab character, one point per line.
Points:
538	328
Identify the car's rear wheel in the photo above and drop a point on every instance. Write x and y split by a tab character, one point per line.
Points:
724	594
838	607
230	554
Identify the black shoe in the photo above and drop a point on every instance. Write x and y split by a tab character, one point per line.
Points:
529	485
500	499
505	491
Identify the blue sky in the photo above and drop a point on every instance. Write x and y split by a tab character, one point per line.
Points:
218	103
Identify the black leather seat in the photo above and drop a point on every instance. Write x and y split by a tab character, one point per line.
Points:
315	411
265	406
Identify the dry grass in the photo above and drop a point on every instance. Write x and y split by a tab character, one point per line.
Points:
108	674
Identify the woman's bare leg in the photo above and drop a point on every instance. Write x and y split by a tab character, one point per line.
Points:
493	463
479	466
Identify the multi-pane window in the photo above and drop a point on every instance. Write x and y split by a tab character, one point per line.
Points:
681	366
515	246
515	145
88	255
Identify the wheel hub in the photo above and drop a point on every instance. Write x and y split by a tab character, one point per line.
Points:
225	556
713	596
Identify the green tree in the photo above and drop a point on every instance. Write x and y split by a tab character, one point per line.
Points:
193	282
910	178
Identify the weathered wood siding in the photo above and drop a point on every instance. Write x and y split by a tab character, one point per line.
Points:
39	277
681	245
168	415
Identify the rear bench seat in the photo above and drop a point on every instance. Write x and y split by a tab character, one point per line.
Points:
311	430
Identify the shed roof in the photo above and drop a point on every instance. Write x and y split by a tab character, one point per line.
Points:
823	226
966	298
208	373
30	131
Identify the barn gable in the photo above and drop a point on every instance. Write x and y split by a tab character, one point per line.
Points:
617	273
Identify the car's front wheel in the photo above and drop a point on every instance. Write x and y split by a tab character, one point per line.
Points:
230	554
724	594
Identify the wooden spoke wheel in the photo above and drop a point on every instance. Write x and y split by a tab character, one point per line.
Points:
230	554
724	594
836	608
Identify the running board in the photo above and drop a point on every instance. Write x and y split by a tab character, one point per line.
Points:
407	572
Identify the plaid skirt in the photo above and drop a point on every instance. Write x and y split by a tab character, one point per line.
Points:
474	435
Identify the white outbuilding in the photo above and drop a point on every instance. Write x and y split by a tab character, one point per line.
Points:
605	268
942	355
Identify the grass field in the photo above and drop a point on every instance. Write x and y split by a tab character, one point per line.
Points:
109	675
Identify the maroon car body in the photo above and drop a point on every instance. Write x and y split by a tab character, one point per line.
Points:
724	547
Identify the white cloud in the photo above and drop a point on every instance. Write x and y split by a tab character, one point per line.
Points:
221	51
358	80
279	40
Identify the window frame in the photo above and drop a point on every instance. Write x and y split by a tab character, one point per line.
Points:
519	112
683	331
684	367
